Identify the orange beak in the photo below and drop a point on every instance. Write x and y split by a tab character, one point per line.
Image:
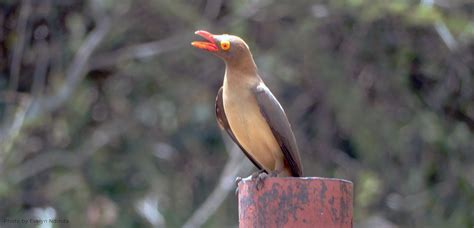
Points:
209	44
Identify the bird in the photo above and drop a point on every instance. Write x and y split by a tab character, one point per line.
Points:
248	111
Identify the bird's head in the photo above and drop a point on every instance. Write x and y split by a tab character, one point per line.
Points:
227	47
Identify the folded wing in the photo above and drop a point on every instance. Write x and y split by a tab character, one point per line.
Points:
280	126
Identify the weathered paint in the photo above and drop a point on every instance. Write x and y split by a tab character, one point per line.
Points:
295	202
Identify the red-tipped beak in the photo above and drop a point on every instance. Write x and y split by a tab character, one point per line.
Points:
209	45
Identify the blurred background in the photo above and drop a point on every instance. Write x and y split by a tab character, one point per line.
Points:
107	112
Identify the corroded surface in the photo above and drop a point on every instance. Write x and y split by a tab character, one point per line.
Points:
296	202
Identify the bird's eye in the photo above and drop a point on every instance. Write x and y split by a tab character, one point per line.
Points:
225	45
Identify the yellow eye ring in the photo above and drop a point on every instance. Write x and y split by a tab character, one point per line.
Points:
225	45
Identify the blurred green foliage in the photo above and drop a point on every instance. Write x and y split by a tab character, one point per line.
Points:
378	92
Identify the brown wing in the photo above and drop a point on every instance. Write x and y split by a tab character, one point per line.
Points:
278	122
224	124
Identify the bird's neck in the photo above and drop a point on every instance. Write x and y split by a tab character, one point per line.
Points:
244	63
241	72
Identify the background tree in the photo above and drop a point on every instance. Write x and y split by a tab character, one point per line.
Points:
107	112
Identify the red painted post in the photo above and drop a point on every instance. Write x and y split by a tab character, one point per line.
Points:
295	202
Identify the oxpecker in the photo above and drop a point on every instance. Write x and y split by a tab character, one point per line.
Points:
249	112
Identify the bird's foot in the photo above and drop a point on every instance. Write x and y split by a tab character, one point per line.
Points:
259	177
262	175
238	180
274	173
260	180
257	173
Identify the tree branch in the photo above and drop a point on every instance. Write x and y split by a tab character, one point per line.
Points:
138	51
21	31
442	29
234	165
8	136
10	115
98	139
75	73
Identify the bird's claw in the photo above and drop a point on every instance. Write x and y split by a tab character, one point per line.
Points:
237	181
257	173
274	173
260	180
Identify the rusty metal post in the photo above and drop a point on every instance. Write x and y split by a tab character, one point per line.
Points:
295	202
